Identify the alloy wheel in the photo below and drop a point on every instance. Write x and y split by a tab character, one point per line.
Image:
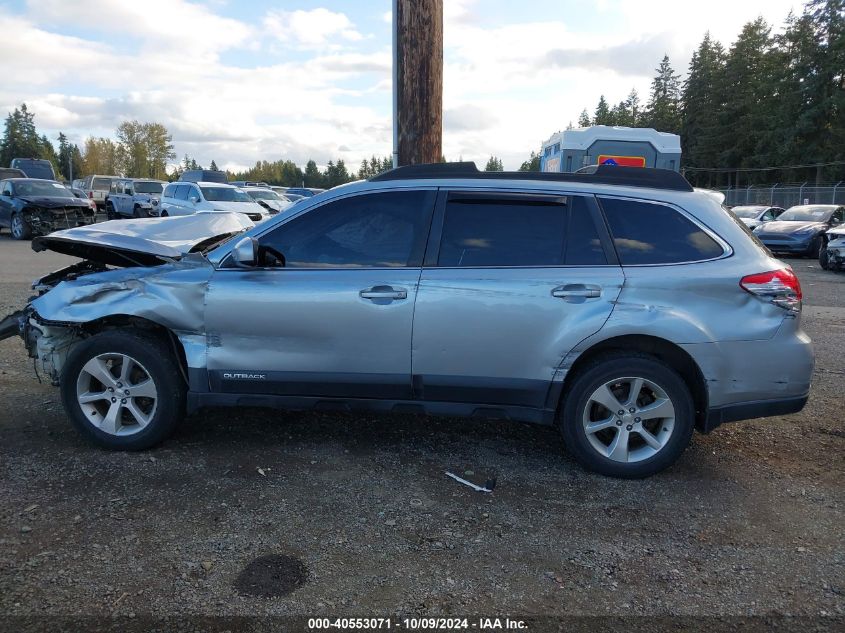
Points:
117	394
628	419
17	226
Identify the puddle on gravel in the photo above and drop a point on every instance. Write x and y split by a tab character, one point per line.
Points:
271	576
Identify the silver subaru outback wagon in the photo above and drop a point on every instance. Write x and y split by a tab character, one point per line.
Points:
619	305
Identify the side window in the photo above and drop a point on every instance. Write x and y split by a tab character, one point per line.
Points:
372	230
583	245
506	231
182	192
169	191
768	215
7	188
646	233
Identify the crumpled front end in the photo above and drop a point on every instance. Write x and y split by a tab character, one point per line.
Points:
836	252
43	221
168	298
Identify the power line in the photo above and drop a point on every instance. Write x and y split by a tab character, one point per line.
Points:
723	170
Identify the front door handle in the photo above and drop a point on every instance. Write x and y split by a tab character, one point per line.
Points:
577	291
383	292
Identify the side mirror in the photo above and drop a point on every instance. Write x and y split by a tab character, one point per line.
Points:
8	194
193	198
835	221
245	253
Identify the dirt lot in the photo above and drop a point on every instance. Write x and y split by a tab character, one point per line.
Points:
748	523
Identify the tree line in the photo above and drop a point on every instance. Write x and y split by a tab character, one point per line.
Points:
769	100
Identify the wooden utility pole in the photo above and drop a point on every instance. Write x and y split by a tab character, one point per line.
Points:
418	81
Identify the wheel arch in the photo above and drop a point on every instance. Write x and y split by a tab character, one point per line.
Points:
670	353
121	321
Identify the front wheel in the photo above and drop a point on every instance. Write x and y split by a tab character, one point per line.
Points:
824	259
815	247
123	390
138	212
110	213
627	415
20	230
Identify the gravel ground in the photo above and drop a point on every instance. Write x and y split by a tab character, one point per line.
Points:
748	523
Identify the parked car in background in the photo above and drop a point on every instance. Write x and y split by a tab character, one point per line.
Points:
8	172
78	183
97	187
204	175
620	306
133	197
832	254
269	199
80	195
306	192
286	192
248	183
800	230
35	206
34	168
755	215
186	198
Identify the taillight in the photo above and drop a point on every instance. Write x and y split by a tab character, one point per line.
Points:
780	287
91	195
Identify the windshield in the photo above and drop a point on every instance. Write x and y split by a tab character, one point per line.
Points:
42	188
807	214
101	184
224	194
263	194
142	186
747	212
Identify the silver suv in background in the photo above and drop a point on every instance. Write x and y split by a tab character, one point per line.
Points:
133	197
97	188
620	306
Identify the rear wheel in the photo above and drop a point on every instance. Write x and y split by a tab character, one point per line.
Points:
19	229
627	415
122	390
110	213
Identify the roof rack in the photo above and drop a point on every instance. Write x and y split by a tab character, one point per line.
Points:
594	174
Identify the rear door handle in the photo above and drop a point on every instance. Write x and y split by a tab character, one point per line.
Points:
577	291
383	292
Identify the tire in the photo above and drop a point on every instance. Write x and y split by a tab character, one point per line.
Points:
137	212
109	421
110	213
824	260
19	229
164	214
669	434
815	247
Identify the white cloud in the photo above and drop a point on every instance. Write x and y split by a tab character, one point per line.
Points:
314	29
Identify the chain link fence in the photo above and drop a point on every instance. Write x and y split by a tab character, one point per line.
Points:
786	195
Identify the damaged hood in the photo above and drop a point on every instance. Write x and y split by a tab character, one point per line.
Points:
143	241
53	203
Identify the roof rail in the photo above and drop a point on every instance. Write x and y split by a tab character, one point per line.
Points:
594	174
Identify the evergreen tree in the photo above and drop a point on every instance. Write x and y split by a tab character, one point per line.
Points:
312	175
532	164
663	108
602	115
494	164
213	166
702	104
584	119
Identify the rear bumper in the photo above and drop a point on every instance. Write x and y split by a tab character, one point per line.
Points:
750	410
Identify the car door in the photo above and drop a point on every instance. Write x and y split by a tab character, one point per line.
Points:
181	206
511	283
6	203
335	320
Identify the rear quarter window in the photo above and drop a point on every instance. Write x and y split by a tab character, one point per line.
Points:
647	233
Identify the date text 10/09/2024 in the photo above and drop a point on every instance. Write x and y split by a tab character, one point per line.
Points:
418	624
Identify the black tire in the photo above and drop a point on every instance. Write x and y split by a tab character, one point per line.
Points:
815	247
19	229
164	214
110	213
138	212
157	358
609	367
824	260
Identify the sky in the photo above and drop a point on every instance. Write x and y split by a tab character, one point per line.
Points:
238	81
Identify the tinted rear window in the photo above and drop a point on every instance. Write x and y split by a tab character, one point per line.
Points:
646	233
101	184
514	232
